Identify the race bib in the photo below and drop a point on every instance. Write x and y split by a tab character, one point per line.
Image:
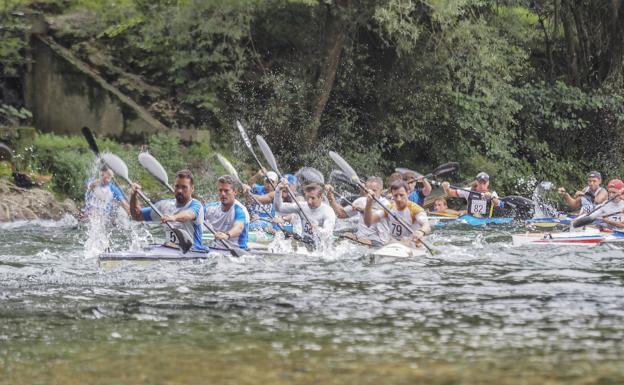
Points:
397	231
171	237
307	229
478	206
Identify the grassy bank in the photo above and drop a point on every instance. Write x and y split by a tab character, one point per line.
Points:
71	163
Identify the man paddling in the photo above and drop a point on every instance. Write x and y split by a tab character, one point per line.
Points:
411	213
585	200
321	216
612	212
228	216
183	212
261	207
419	186
481	201
364	234
101	193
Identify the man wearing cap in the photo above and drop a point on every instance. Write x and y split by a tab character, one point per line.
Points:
419	187
262	205
481	201
590	196
101	193
612	212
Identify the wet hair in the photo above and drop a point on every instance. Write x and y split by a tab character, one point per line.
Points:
397	184
440	199
375	179
104	168
185	174
227	179
313	188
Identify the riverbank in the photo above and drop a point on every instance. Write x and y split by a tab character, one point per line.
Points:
18	203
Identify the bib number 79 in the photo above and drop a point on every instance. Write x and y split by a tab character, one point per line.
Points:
397	230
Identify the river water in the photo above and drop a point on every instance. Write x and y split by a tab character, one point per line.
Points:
479	312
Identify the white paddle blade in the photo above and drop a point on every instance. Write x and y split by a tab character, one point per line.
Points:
117	165
344	166
154	167
243	133
228	167
268	154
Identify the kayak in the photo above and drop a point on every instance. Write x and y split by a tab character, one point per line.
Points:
467	219
587	237
399	250
260	237
156	252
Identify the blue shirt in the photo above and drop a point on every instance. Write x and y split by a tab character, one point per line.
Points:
170	207
417	197
102	196
223	221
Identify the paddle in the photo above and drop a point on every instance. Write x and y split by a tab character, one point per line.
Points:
587	218
153	166
232	171
348	170
268	155
119	168
243	133
88	135
443	169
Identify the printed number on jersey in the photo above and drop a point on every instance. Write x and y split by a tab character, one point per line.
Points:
478	206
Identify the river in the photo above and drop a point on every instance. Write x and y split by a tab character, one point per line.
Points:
478	312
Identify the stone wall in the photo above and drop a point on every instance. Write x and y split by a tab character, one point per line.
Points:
64	95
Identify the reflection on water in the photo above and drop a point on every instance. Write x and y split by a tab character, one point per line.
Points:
479	312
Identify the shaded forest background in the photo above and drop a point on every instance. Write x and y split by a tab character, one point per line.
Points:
525	90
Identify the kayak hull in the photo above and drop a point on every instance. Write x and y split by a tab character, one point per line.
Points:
467	219
588	237
399	250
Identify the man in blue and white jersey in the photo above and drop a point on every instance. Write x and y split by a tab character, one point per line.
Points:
183	212
261	208
228	216
419	186
101	193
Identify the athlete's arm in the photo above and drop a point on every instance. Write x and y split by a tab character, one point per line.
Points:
281	206
446	186
424	223
426	190
370	218
135	206
182	216
266	198
601	197
339	210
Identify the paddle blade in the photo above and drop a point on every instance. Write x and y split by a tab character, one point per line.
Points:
185	239
518	201
268	154
344	166
117	165
86	132
582	221
404	170
445	168
307	175
521	207
340	177
154	167
243	133
228	167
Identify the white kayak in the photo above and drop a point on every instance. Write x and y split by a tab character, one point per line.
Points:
399	250
587	237
156	252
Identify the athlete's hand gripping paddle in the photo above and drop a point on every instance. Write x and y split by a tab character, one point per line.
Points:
348	170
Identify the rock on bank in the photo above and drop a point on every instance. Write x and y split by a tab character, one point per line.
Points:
17	203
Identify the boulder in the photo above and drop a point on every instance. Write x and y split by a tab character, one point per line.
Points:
18	203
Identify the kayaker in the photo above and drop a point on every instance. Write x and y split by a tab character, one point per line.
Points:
182	212
319	213
289	221
259	212
102	193
612	212
419	187
585	200
364	234
411	213
440	207
481	201
228	216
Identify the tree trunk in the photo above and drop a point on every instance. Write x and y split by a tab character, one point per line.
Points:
570	39
335	37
